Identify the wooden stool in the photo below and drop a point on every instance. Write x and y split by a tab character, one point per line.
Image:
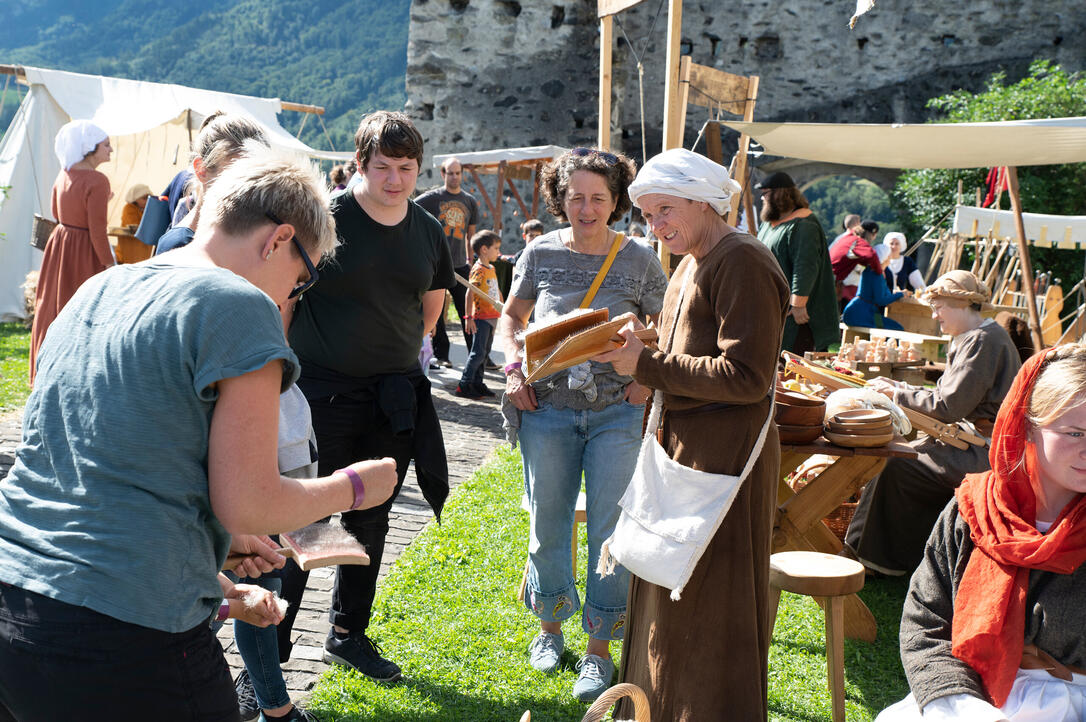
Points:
580	516
827	578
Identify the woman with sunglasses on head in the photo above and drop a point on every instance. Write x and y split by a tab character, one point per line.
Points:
585	420
992	624
218	144
150	439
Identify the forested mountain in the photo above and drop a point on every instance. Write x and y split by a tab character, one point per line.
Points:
349	56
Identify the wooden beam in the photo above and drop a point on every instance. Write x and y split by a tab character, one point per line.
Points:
744	147
672	91
482	189
714	88
17	71
535	190
1023	254
516	195
610	7
684	95
302	107
606	43
499	198
714	151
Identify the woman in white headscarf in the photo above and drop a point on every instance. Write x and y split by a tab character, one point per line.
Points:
900	271
705	656
78	247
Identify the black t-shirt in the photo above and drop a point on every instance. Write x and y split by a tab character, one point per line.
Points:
364	316
456	211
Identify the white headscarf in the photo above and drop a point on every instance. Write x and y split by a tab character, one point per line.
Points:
680	172
892	235
75	139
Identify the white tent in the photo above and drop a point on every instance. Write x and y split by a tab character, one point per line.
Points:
928	145
151	126
1042	230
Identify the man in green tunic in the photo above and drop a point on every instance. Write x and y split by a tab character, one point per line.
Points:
794	235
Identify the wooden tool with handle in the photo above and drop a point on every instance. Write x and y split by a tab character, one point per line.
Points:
585	344
316	545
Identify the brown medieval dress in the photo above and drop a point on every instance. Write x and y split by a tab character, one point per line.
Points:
77	249
705	657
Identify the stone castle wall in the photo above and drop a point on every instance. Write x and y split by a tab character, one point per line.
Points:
485	74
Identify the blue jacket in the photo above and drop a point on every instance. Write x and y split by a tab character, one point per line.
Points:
872	296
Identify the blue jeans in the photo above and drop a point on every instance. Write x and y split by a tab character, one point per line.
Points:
259	650
472	377
557	446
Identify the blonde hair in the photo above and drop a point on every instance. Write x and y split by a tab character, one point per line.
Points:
1060	385
261	182
222	136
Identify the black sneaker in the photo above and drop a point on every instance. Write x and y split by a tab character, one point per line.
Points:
361	653
484	391
489	365
297	714
247	706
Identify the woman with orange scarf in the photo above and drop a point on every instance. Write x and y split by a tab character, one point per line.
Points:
992	626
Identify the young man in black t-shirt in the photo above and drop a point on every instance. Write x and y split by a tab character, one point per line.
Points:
358	333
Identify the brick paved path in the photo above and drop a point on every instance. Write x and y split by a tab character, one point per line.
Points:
471	429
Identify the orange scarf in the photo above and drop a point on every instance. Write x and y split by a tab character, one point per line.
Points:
1000	507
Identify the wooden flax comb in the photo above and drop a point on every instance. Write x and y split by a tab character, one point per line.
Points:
316	545
583	345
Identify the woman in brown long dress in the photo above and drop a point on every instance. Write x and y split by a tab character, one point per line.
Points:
78	248
705	657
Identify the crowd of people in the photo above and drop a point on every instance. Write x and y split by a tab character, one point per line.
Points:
242	383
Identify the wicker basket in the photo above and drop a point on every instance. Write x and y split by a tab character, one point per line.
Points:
40	231
839	519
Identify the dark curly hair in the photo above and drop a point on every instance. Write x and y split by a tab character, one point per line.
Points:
554	179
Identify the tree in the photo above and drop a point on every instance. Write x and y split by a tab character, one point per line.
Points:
1048	91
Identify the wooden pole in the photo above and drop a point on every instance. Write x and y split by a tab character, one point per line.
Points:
482	191
498	199
606	27
744	147
683	98
672	91
516	195
1023	253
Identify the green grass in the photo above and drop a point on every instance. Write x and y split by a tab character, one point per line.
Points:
448	614
14	365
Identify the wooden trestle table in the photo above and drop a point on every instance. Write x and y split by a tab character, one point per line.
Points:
798	526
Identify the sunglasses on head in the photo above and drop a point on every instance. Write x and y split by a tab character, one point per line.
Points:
313	275
608	158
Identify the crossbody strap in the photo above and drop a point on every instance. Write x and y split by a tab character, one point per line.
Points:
602	273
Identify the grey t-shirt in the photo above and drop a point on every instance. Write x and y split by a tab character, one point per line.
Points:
457	212
557	278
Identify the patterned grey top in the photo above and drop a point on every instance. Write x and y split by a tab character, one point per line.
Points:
557	278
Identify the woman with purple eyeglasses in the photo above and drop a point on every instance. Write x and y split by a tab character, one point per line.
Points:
585	420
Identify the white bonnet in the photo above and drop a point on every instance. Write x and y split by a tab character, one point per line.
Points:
683	173
75	139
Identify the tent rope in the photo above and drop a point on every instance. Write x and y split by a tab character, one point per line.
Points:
325	129
305	117
641	72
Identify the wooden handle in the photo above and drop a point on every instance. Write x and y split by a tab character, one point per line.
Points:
646	335
235	558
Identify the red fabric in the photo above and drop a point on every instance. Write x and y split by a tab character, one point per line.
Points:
997	181
1000	506
864	255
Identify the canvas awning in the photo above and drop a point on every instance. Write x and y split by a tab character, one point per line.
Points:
509	155
929	145
1042	230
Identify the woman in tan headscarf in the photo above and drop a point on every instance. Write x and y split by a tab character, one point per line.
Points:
898	508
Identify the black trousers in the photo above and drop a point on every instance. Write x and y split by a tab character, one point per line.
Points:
441	337
59	661
353	428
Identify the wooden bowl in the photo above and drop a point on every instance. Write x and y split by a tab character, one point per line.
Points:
798	434
791	398
866	417
799	415
859	430
858	440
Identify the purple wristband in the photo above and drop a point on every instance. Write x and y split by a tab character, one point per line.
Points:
514	366
359	487
224	612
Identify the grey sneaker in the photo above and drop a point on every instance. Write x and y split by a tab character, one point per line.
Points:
545	651
594	679
247	705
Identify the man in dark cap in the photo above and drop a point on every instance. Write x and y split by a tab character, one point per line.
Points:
794	235
851	250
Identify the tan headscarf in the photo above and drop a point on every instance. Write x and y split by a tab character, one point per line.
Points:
958	286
